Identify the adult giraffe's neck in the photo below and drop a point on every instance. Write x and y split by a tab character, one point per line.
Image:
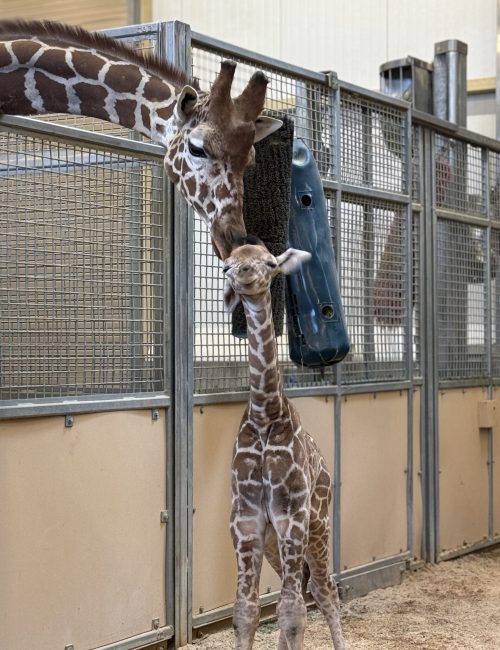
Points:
36	77
266	391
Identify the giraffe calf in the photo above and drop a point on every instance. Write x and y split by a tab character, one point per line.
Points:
281	488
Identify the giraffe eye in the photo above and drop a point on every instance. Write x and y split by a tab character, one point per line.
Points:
196	152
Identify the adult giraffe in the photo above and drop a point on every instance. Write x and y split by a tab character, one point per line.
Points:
47	67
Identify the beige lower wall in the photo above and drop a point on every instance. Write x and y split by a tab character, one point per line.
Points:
374	459
215	429
463	456
82	549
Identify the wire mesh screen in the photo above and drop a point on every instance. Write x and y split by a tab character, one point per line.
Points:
373	144
81	271
307	102
374	276
495	302
459	178
220	359
461	303
416	296
416	146
494	184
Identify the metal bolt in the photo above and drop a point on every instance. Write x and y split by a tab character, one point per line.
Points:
68	422
155	623
155	414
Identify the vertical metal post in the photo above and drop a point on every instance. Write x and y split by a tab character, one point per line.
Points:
497	94
429	410
406	186
178	48
488	332
335	96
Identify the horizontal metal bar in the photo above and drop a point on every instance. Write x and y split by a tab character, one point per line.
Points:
377	575
478	546
330	185
74	135
376	564
463	383
312	391
373	193
379	387
12	409
373	95
207	42
451	215
133	31
451	130
139	641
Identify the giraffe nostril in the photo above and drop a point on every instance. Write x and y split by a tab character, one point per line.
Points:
226	269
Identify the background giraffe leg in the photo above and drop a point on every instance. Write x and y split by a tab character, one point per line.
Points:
272	553
323	586
248	540
291	607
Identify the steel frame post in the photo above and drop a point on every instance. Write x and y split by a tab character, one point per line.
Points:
177	38
429	402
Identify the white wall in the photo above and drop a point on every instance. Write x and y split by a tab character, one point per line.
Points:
351	37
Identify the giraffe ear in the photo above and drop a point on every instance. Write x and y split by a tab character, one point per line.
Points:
186	102
265	125
231	299
292	259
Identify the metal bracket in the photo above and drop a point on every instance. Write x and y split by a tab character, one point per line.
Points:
69	647
69	420
155	414
155	623
164	516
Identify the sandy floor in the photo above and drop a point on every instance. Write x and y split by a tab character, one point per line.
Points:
453	605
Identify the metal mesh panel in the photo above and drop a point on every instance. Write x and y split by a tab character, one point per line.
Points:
416	144
495	302
220	359
416	297
374	288
81	271
461	305
305	101
95	124
458	169
494	184
373	144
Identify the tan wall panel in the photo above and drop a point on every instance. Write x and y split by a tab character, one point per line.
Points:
215	429
82	550
418	512
374	454
463	454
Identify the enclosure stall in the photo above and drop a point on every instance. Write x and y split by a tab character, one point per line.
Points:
122	387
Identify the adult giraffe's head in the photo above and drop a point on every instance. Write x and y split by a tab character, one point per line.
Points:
209	141
47	67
